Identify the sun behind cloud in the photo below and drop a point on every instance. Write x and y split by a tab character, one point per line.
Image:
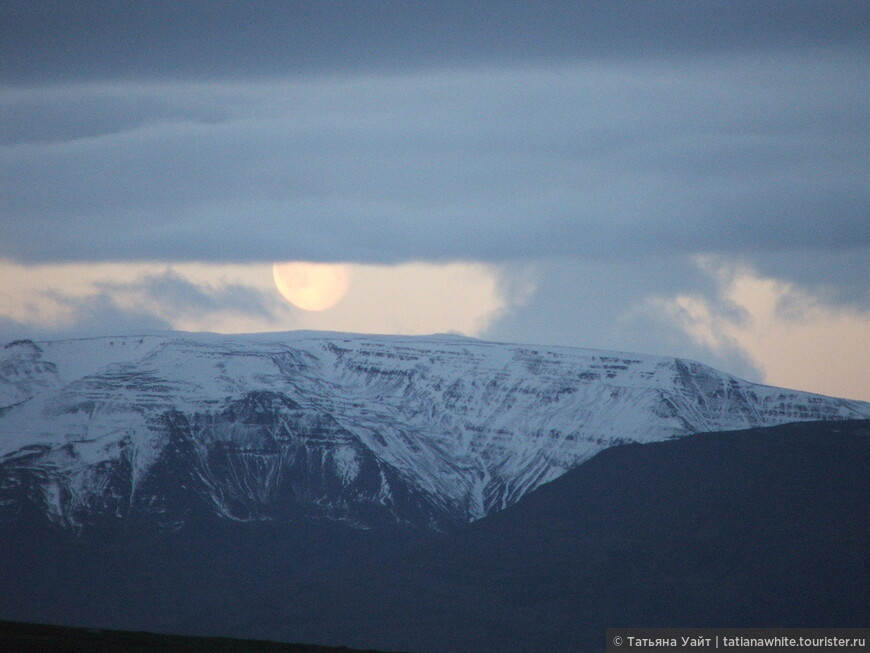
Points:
311	286
410	298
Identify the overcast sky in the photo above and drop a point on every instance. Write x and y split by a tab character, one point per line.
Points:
680	178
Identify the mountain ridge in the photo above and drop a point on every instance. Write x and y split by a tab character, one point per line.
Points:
428	430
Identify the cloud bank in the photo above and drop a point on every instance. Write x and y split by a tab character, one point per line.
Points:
604	161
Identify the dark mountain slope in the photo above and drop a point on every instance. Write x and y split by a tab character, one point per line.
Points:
763	527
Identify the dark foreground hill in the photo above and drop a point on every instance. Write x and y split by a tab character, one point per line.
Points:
39	638
761	527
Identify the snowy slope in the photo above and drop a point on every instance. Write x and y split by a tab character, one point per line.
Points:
430	430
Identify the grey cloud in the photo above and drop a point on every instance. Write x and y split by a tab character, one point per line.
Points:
211	39
836	276
177	294
101	313
607	161
603	305
93	316
64	115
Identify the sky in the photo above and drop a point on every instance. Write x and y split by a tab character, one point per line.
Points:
674	178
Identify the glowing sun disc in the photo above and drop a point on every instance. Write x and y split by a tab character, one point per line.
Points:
311	286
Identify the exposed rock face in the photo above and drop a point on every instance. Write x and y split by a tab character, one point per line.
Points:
432	431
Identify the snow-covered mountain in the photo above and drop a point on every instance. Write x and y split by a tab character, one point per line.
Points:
430	430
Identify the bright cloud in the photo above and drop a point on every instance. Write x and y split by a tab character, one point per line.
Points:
795	337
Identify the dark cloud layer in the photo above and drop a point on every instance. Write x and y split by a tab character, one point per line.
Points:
394	131
62	40
606	161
